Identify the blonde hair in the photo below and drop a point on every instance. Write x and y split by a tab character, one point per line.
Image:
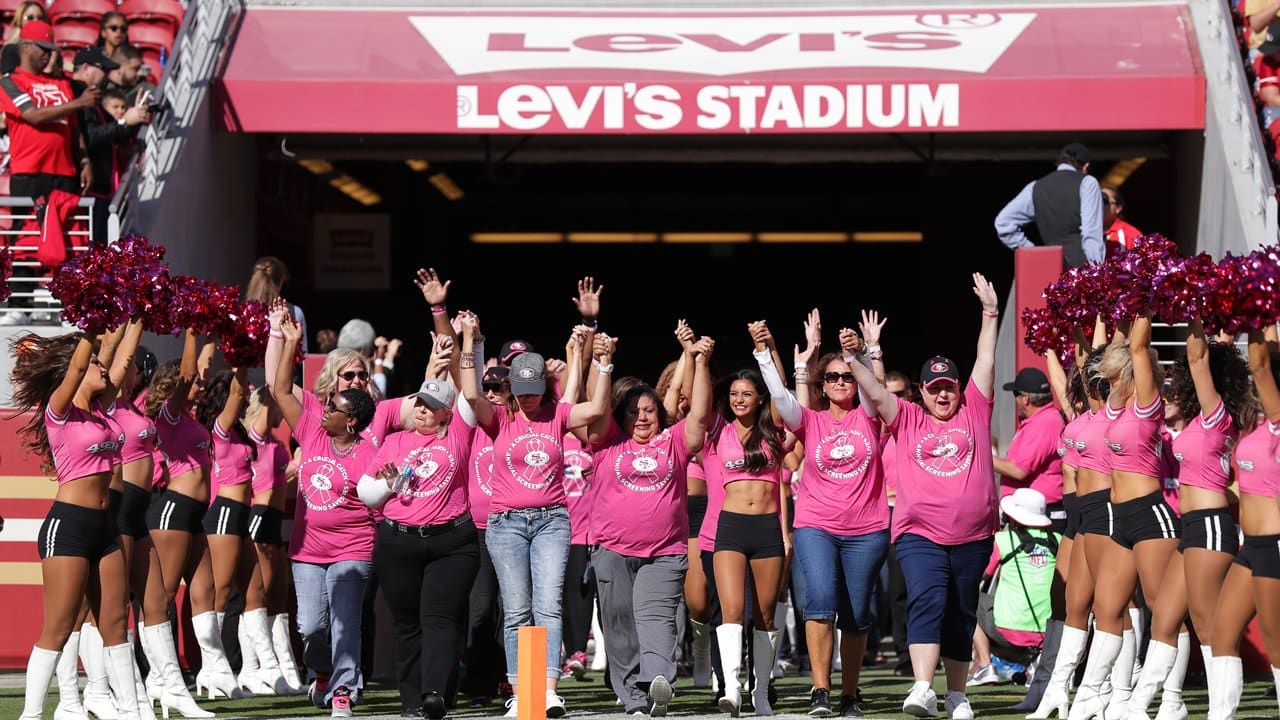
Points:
327	380
1117	367
269	275
19	19
667	377
255	407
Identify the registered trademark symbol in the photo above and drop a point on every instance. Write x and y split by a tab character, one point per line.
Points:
464	105
958	21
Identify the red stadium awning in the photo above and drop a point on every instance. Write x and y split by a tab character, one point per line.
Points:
592	71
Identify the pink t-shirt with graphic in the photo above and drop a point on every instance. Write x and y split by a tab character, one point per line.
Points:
1133	437
1070	451
437	489
480	478
1257	460
843	479
271	465
81	443
1034	450
889	461
576	476
139	431
1203	450
1091	442
330	523
232	459
641	496
527	459
715	500
386	416
724	450
946	479
185	443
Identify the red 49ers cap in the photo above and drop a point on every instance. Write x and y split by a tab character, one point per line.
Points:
38	32
938	368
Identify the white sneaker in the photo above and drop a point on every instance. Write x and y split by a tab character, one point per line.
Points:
15	318
922	701
958	706
985	675
660	693
555	705
511	707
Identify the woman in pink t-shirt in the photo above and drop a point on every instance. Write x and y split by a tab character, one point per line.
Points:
528	528
1144	528
639	525
1253	581
946	513
60	378
1212	389
426	553
842	516
332	543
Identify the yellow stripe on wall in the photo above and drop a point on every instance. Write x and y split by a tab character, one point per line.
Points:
27	487
20	573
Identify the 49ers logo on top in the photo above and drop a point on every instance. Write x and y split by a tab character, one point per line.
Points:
946	453
843	454
665	52
533	459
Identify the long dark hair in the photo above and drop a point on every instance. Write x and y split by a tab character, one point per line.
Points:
764	433
39	368
163	384
1231	378
211	402
1077	394
1096	383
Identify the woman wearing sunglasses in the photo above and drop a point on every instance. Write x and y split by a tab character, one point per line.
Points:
332	543
842	517
9	57
113	31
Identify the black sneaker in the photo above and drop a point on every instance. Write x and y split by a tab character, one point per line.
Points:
849	707
433	706
820	703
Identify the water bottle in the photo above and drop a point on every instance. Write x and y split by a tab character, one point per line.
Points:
402	480
164	57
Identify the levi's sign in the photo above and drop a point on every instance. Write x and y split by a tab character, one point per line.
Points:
625	73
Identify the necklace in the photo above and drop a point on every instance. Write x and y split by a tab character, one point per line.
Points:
340	452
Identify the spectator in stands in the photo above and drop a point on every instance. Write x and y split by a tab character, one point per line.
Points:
113	32
1266	71
48	154
1066	207
1119	234
1259	15
104	134
326	340
130	77
114	104
25	13
1033	459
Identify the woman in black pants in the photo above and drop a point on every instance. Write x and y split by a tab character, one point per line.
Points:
485	660
426	553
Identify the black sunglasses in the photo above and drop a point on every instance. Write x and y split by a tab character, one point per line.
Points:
900	393
117	28
492	387
832	377
32	16
353	374
335	409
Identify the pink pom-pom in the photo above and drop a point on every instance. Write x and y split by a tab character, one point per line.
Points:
1184	292
244	344
1044	332
1247	296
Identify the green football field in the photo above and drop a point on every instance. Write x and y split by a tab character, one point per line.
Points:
883	692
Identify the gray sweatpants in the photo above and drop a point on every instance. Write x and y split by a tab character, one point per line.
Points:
639	598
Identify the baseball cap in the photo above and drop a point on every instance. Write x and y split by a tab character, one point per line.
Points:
495	374
528	374
1028	380
1271	43
38	32
437	394
1077	150
1026	507
94	56
512	348
938	368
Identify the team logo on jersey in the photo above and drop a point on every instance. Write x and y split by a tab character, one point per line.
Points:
1246	465
482	468
645	469
322	482
843	454
946	453
939	367
577	466
428	463
1039	557
534	452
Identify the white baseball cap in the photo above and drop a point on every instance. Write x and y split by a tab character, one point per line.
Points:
1026	507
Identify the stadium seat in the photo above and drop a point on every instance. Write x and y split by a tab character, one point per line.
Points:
79	10
75	35
151	36
166	11
151	58
8	8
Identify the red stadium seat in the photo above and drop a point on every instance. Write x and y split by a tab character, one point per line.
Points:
151	36
8	8
75	35
167	11
151	58
79	10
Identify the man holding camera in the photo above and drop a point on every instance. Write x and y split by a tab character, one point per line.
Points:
104	134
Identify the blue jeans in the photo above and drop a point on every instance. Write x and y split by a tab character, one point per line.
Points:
942	591
530	549
826	560
330	607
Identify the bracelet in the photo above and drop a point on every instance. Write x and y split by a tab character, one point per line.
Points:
277	334
802	375
592	324
871	349
605	369
991	313
801	366
438	310
876	354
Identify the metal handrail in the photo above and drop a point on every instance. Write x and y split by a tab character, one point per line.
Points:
33	287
